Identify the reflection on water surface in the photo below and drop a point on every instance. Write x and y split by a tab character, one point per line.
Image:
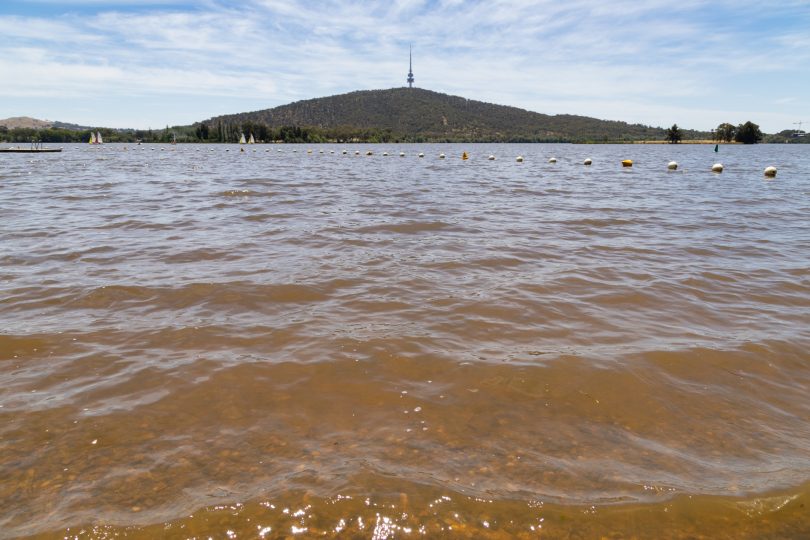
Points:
203	343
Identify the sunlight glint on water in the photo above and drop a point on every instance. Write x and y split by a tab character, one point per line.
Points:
198	342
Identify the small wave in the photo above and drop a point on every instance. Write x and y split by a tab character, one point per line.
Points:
495	262
600	223
415	227
137	224
203	254
244	193
236	296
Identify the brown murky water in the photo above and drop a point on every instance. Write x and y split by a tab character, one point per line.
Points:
206	343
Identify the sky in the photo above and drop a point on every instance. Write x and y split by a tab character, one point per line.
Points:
151	63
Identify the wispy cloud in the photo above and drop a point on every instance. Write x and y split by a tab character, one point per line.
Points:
654	62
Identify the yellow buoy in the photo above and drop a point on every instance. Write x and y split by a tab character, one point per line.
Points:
552	160
587	161
369	153
441	156
491	157
717	167
421	154
770	172
385	153
465	156
672	165
402	154
519	159
627	163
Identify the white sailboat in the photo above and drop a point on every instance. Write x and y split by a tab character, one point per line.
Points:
95	138
251	140
242	139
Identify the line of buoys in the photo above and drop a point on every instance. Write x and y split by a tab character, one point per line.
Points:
769	172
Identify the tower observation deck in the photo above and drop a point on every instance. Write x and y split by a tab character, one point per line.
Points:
410	68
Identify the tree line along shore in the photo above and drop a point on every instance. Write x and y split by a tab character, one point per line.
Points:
406	115
231	130
202	133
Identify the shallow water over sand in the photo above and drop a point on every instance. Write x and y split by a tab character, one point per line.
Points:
201	342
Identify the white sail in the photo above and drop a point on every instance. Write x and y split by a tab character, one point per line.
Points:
98	138
251	140
242	139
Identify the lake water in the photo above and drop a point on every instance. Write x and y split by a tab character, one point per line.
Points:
201	342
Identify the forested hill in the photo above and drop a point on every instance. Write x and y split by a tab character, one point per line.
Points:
414	114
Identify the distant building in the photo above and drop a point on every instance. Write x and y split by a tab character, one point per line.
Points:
410	68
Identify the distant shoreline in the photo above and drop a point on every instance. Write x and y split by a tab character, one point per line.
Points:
696	141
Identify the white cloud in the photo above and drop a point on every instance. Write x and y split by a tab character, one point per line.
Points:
638	61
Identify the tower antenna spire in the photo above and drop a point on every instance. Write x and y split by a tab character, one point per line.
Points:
410	66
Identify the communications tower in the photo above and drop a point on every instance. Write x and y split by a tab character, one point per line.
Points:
410	67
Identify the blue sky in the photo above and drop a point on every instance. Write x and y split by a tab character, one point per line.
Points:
149	63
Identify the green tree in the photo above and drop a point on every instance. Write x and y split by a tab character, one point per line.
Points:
201	132
725	132
748	133
674	134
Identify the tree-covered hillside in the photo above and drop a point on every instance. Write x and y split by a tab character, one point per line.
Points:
414	114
